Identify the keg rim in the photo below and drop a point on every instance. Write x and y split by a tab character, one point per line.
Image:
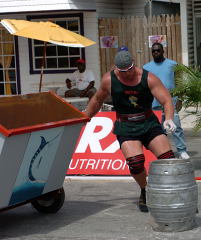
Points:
170	161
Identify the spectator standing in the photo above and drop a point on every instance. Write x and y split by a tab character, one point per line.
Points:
163	68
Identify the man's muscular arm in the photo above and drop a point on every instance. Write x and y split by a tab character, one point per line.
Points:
162	95
97	100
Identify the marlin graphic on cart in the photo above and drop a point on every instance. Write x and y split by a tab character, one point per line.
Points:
37	156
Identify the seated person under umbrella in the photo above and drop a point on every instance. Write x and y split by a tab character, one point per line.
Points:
84	81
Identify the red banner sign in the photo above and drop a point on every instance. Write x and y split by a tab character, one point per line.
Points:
97	151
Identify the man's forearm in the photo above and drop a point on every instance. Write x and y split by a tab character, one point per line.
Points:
168	110
93	107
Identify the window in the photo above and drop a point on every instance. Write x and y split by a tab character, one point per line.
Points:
8	76
58	58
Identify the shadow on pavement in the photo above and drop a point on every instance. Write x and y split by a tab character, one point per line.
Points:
23	217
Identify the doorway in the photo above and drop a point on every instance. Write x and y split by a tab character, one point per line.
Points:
8	73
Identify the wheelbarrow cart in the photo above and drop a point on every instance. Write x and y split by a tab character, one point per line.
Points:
38	134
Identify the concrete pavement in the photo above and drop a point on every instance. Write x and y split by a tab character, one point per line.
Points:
93	210
98	209
193	142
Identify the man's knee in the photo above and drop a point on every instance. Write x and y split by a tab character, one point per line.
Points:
71	93
136	164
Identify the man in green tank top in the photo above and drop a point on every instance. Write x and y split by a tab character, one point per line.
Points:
132	90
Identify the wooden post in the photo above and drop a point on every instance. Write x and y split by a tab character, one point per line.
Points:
42	65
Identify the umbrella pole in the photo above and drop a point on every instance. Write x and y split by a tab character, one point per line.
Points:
42	66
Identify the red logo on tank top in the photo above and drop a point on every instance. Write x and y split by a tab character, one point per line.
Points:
131	92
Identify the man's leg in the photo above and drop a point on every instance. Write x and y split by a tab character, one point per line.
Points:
140	178
72	93
160	146
178	137
133	152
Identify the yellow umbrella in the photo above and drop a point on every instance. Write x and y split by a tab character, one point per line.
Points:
47	32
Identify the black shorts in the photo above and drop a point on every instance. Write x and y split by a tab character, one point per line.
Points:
145	139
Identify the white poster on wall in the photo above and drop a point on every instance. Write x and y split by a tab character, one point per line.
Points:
159	39
109	42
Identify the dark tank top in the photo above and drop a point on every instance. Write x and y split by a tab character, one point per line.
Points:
131	100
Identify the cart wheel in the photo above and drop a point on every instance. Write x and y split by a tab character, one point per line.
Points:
50	202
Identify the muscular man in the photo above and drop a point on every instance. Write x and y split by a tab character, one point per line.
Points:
132	90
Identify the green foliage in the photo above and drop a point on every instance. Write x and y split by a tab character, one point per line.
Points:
188	89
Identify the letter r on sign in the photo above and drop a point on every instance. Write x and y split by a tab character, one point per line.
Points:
92	139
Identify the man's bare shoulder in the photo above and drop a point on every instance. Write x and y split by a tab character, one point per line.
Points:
152	77
106	82
106	78
150	74
107	75
153	80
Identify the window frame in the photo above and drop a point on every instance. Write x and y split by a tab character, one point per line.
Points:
15	68
31	46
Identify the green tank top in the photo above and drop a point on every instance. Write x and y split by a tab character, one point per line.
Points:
131	100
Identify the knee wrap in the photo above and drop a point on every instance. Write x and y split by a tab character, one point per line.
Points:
136	164
166	155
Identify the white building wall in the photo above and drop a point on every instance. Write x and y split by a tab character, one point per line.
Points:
184	26
15	6
92	52
136	7
190	32
116	8
109	8
30	82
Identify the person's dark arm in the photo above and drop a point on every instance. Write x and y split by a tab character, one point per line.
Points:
68	83
91	85
178	105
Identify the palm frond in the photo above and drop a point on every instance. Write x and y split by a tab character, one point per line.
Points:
188	89
188	83
184	74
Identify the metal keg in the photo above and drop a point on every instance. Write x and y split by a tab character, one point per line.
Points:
172	195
